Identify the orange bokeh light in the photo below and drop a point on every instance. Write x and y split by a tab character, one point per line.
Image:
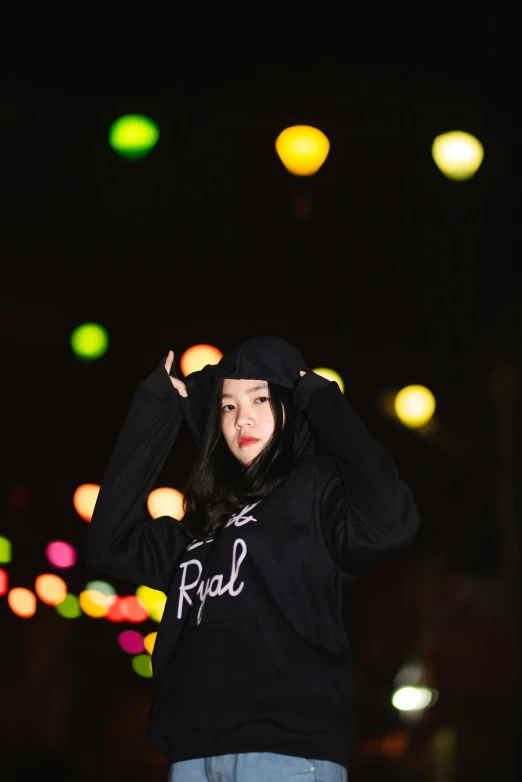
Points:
51	589
149	641
84	500
22	602
198	356
165	502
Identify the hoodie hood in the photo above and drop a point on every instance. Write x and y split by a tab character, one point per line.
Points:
259	358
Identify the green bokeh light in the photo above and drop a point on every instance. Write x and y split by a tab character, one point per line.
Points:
133	135
142	665
5	550
70	607
89	341
101	586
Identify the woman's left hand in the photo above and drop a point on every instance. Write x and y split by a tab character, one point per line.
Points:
302	373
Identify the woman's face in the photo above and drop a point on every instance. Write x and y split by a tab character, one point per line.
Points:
246	413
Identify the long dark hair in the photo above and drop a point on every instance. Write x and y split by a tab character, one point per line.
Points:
219	484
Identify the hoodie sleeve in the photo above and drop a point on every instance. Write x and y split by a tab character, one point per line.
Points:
367	512
120	540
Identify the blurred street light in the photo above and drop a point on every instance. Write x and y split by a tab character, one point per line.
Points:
414	406
302	149
457	154
133	136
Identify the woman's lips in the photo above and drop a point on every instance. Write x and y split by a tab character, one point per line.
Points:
247	441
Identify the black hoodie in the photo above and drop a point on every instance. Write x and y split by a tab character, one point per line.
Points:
251	654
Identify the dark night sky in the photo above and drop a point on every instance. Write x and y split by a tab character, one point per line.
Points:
398	275
390	240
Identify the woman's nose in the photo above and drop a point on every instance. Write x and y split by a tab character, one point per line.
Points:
243	417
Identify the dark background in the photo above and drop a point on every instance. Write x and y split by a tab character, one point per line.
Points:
397	276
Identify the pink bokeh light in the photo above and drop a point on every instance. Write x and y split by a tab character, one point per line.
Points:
131	641
60	554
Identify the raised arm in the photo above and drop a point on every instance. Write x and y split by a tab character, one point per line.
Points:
120	540
368	512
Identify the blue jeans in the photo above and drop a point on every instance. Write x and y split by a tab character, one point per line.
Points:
256	767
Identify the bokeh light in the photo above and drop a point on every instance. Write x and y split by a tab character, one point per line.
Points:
154	600
89	341
60	554
101	586
116	612
133	136
5	550
414	406
302	149
197	357
149	642
84	500
411	698
22	602
330	374
95	604
107	597
70	608
51	589
142	665
133	609
165	502
4	582
131	641
457	154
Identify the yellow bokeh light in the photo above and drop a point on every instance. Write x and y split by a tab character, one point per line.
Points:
94	603
84	500
457	154
154	601
414	406
330	374
149	642
51	589
411	698
165	502
302	149
22	602
197	357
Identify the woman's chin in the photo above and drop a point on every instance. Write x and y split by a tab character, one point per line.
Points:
247	455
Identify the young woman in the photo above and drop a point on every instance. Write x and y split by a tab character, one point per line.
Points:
252	670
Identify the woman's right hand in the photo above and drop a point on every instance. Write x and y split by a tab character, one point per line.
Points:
179	385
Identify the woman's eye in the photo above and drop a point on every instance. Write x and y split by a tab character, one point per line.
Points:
259	398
